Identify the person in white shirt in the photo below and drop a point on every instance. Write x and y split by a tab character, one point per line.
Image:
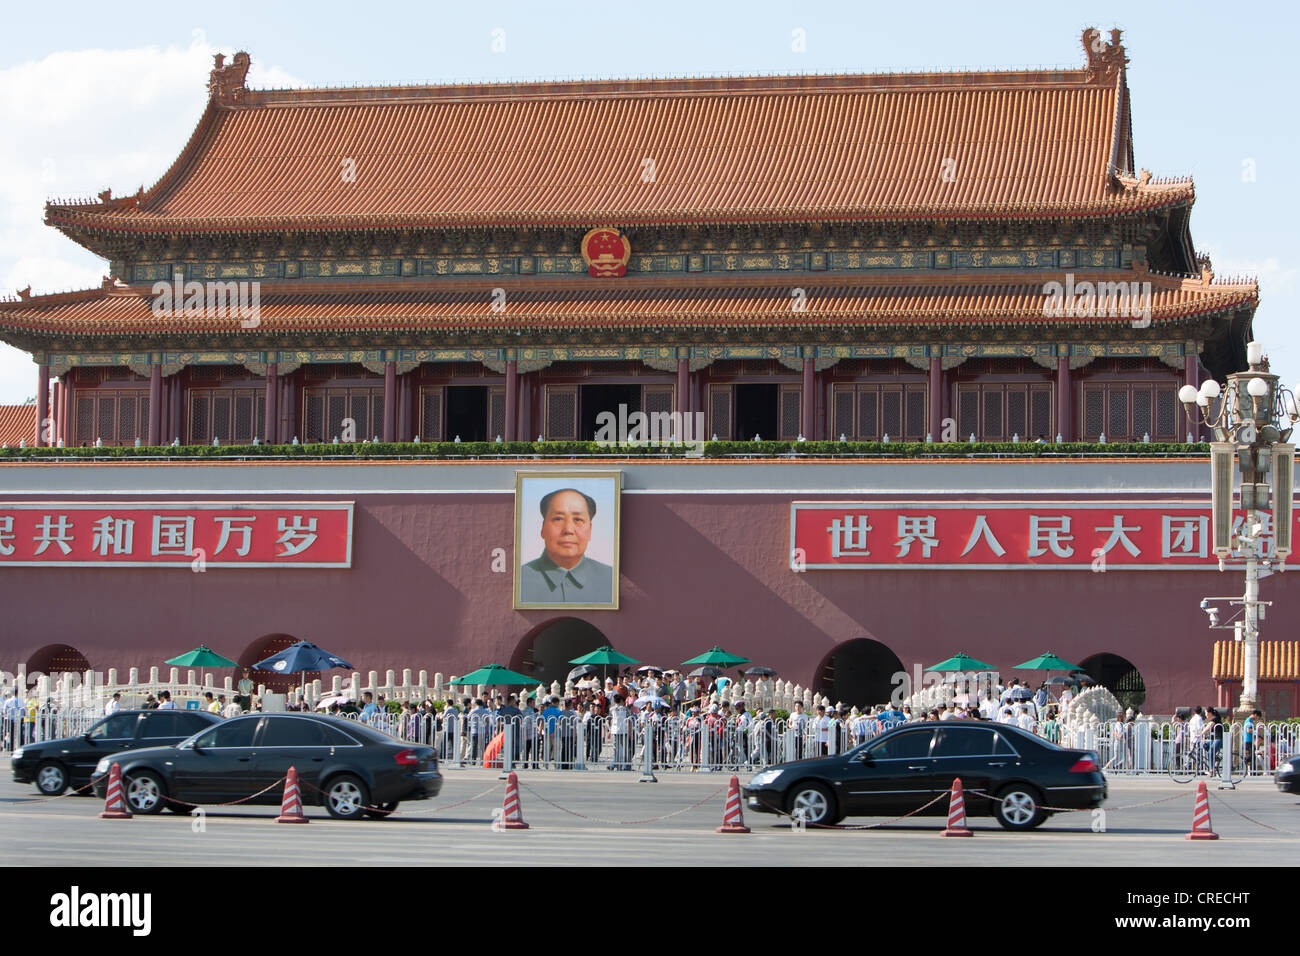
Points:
1026	720
165	701
1066	696
989	706
113	706
232	710
798	724
822	726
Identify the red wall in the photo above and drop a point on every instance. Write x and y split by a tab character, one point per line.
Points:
697	570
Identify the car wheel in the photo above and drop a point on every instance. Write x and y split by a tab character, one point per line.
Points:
814	803
346	797
51	778
1020	808
381	811
144	792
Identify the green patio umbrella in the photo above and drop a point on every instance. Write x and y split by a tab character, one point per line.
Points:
961	662
718	658
605	656
1047	662
495	674
201	656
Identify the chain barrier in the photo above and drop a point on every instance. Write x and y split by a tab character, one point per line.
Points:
229	803
387	813
1260	823
624	823
69	793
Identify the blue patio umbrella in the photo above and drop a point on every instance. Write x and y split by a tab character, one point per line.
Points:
300	657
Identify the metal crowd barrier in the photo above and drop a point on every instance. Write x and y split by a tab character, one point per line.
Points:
683	743
570	743
1147	747
45	723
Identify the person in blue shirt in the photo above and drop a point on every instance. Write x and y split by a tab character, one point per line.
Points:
550	725
368	709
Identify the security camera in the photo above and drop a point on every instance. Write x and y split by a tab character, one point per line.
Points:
1211	612
1205	604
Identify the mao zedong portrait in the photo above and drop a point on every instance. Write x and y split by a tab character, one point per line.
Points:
563	574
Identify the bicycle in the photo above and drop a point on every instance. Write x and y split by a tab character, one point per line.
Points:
1194	761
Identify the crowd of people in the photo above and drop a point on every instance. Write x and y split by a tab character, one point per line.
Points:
689	722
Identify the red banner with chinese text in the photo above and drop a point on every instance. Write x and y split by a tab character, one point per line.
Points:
982	535
161	534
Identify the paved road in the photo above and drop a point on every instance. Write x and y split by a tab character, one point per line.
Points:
67	831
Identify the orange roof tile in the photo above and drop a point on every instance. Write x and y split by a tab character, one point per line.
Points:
1278	660
632	302
754	149
17	425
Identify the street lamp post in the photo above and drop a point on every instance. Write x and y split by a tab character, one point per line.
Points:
1248	431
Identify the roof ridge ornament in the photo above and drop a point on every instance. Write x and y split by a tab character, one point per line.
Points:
1105	60
226	83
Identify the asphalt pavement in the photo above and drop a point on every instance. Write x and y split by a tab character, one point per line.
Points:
597	818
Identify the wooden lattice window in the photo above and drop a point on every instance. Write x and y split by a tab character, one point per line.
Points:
1128	411
234	416
115	416
561	409
791	404
431	422
869	412
1001	411
720	407
329	411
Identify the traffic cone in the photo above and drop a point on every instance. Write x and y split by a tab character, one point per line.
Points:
115	803
291	804
512	817
957	813
1201	816
733	819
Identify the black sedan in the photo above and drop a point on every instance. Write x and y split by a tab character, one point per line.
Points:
55	765
351	769
1287	775
1004	771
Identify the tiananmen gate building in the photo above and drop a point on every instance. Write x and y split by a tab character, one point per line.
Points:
821	261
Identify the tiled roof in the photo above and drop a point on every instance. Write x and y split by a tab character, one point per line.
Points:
1278	660
643	152
17	424
632	302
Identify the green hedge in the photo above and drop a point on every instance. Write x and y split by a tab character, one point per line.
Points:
570	449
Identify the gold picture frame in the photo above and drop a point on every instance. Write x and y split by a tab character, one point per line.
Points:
544	577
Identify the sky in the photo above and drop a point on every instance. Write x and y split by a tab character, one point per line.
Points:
97	97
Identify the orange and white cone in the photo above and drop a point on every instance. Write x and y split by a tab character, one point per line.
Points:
957	813
733	818
1201	816
291	804
512	817
115	802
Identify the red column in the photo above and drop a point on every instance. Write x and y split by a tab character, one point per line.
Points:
155	404
65	409
1064	394
809	403
935	399
271	411
684	386
174	426
1192	377
512	400
524	428
56	412
42	403
390	401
